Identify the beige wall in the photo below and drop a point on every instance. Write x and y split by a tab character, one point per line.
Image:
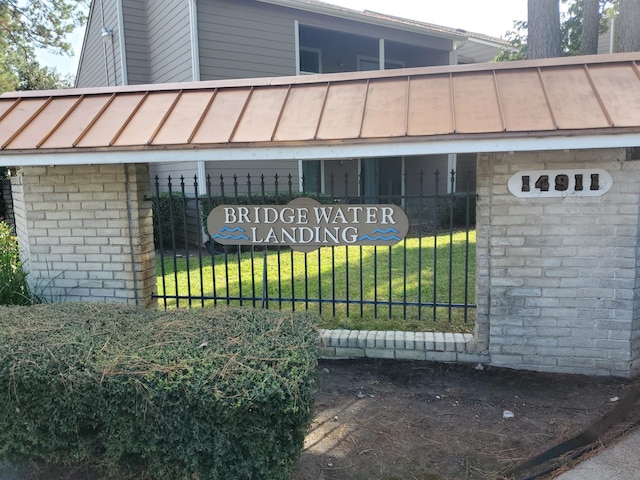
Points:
557	277
86	232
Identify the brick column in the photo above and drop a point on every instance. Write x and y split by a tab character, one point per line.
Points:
558	278
86	232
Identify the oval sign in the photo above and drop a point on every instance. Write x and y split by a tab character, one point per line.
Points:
304	224
560	183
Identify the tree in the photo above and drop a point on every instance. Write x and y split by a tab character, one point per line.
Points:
27	25
577	16
32	24
629	26
544	32
590	27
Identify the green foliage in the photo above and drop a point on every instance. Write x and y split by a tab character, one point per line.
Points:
32	76
571	31
169	220
518	40
13	280
412	272
30	24
571	23
3	202
26	26
196	394
458	210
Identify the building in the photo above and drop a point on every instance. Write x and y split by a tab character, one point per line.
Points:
135	42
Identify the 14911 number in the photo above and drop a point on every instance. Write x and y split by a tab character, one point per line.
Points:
560	183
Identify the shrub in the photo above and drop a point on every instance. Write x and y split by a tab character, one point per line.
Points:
440	211
452	211
168	220
197	394
3	202
13	280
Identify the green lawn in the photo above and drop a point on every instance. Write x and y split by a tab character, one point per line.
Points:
403	273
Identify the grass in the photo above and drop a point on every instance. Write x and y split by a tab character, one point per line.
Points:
406	275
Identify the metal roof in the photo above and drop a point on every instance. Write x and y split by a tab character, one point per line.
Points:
595	95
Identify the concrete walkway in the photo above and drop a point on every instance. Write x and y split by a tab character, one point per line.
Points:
620	461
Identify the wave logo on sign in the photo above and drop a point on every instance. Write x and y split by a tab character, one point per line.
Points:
304	224
224	234
390	238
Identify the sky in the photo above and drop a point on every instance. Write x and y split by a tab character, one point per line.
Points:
491	17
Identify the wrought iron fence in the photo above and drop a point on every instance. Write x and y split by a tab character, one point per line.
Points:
430	275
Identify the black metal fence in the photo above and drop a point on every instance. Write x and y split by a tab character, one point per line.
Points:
430	275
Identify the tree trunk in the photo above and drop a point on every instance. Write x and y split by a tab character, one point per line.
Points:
628	26
544	29
590	27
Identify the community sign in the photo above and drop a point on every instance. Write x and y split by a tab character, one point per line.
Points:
304	224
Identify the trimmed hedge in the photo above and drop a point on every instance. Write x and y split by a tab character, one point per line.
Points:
198	394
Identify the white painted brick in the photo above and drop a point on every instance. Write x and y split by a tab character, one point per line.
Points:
348	352
400	340
429	341
441	356
380	353
411	355
409	340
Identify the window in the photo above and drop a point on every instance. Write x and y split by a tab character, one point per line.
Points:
310	60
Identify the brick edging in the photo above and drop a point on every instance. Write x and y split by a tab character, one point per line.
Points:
432	346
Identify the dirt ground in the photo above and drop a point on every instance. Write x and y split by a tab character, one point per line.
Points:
392	420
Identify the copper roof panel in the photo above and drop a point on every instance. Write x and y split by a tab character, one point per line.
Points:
107	126
430	111
619	88
142	126
599	93
220	121
184	118
77	121
5	105
476	105
43	124
523	101
385	113
14	121
260	117
573	100
342	114
301	114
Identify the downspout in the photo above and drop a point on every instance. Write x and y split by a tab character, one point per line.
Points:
123	48
195	75
296	38
105	35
